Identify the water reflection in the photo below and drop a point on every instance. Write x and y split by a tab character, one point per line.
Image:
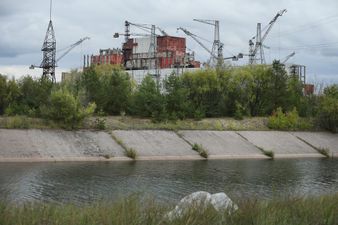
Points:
168	181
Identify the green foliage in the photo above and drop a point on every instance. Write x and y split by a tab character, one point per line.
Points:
178	104
287	121
201	151
148	101
131	153
109	87
100	123
328	110
66	109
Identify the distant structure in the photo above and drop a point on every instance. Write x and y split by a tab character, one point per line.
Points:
106	56
49	51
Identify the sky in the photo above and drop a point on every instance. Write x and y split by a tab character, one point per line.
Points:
310	28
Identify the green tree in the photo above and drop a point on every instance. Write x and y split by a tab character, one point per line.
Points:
177	98
3	94
328	110
109	87
148	100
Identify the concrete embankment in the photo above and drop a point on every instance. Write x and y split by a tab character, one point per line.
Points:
59	145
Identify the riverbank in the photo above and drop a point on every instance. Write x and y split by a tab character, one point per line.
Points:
38	145
134	210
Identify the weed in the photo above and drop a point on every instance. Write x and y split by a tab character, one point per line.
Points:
201	151
131	153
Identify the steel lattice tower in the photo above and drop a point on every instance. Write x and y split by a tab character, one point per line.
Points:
48	63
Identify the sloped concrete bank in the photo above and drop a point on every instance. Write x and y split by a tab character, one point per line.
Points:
59	145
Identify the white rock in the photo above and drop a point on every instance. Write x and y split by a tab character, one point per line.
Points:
202	199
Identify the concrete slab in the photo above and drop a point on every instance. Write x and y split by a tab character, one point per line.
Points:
156	144
320	140
283	144
223	144
56	145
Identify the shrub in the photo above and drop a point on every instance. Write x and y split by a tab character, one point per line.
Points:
287	121
201	151
328	110
100	123
131	153
64	108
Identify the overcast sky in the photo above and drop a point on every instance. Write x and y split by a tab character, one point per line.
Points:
310	28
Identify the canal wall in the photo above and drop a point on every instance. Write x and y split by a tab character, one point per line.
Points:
59	145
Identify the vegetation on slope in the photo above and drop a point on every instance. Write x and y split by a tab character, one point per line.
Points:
251	91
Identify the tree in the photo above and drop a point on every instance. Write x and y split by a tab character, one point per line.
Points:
328	110
3	93
109	87
148	100
177	100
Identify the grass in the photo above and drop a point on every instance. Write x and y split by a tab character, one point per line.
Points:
201	151
135	123
270	154
24	122
138	211
324	151
129	152
267	153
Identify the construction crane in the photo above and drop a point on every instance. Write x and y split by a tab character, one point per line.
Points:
145	27
151	32
288	57
68	49
217	46
258	46
196	38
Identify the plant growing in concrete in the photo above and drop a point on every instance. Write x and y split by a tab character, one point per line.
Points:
324	151
131	153
201	151
270	154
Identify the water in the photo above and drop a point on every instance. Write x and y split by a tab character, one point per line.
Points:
167	181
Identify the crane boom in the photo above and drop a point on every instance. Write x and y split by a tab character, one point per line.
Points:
71	47
288	57
68	49
254	48
193	36
272	22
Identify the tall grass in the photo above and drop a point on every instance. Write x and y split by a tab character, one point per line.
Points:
137	211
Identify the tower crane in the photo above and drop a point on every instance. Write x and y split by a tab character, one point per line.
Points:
67	50
217	46
196	38
288	57
258	46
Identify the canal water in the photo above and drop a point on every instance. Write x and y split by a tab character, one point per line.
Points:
167	181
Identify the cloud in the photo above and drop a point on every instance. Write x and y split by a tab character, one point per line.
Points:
23	25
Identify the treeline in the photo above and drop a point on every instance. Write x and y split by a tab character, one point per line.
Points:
232	92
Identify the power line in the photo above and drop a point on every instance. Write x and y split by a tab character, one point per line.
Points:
305	47
307	26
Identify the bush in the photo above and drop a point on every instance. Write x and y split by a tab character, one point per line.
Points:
328	110
201	151
64	108
287	121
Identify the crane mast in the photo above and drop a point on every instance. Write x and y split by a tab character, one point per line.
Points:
195	37
217	46
254	48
